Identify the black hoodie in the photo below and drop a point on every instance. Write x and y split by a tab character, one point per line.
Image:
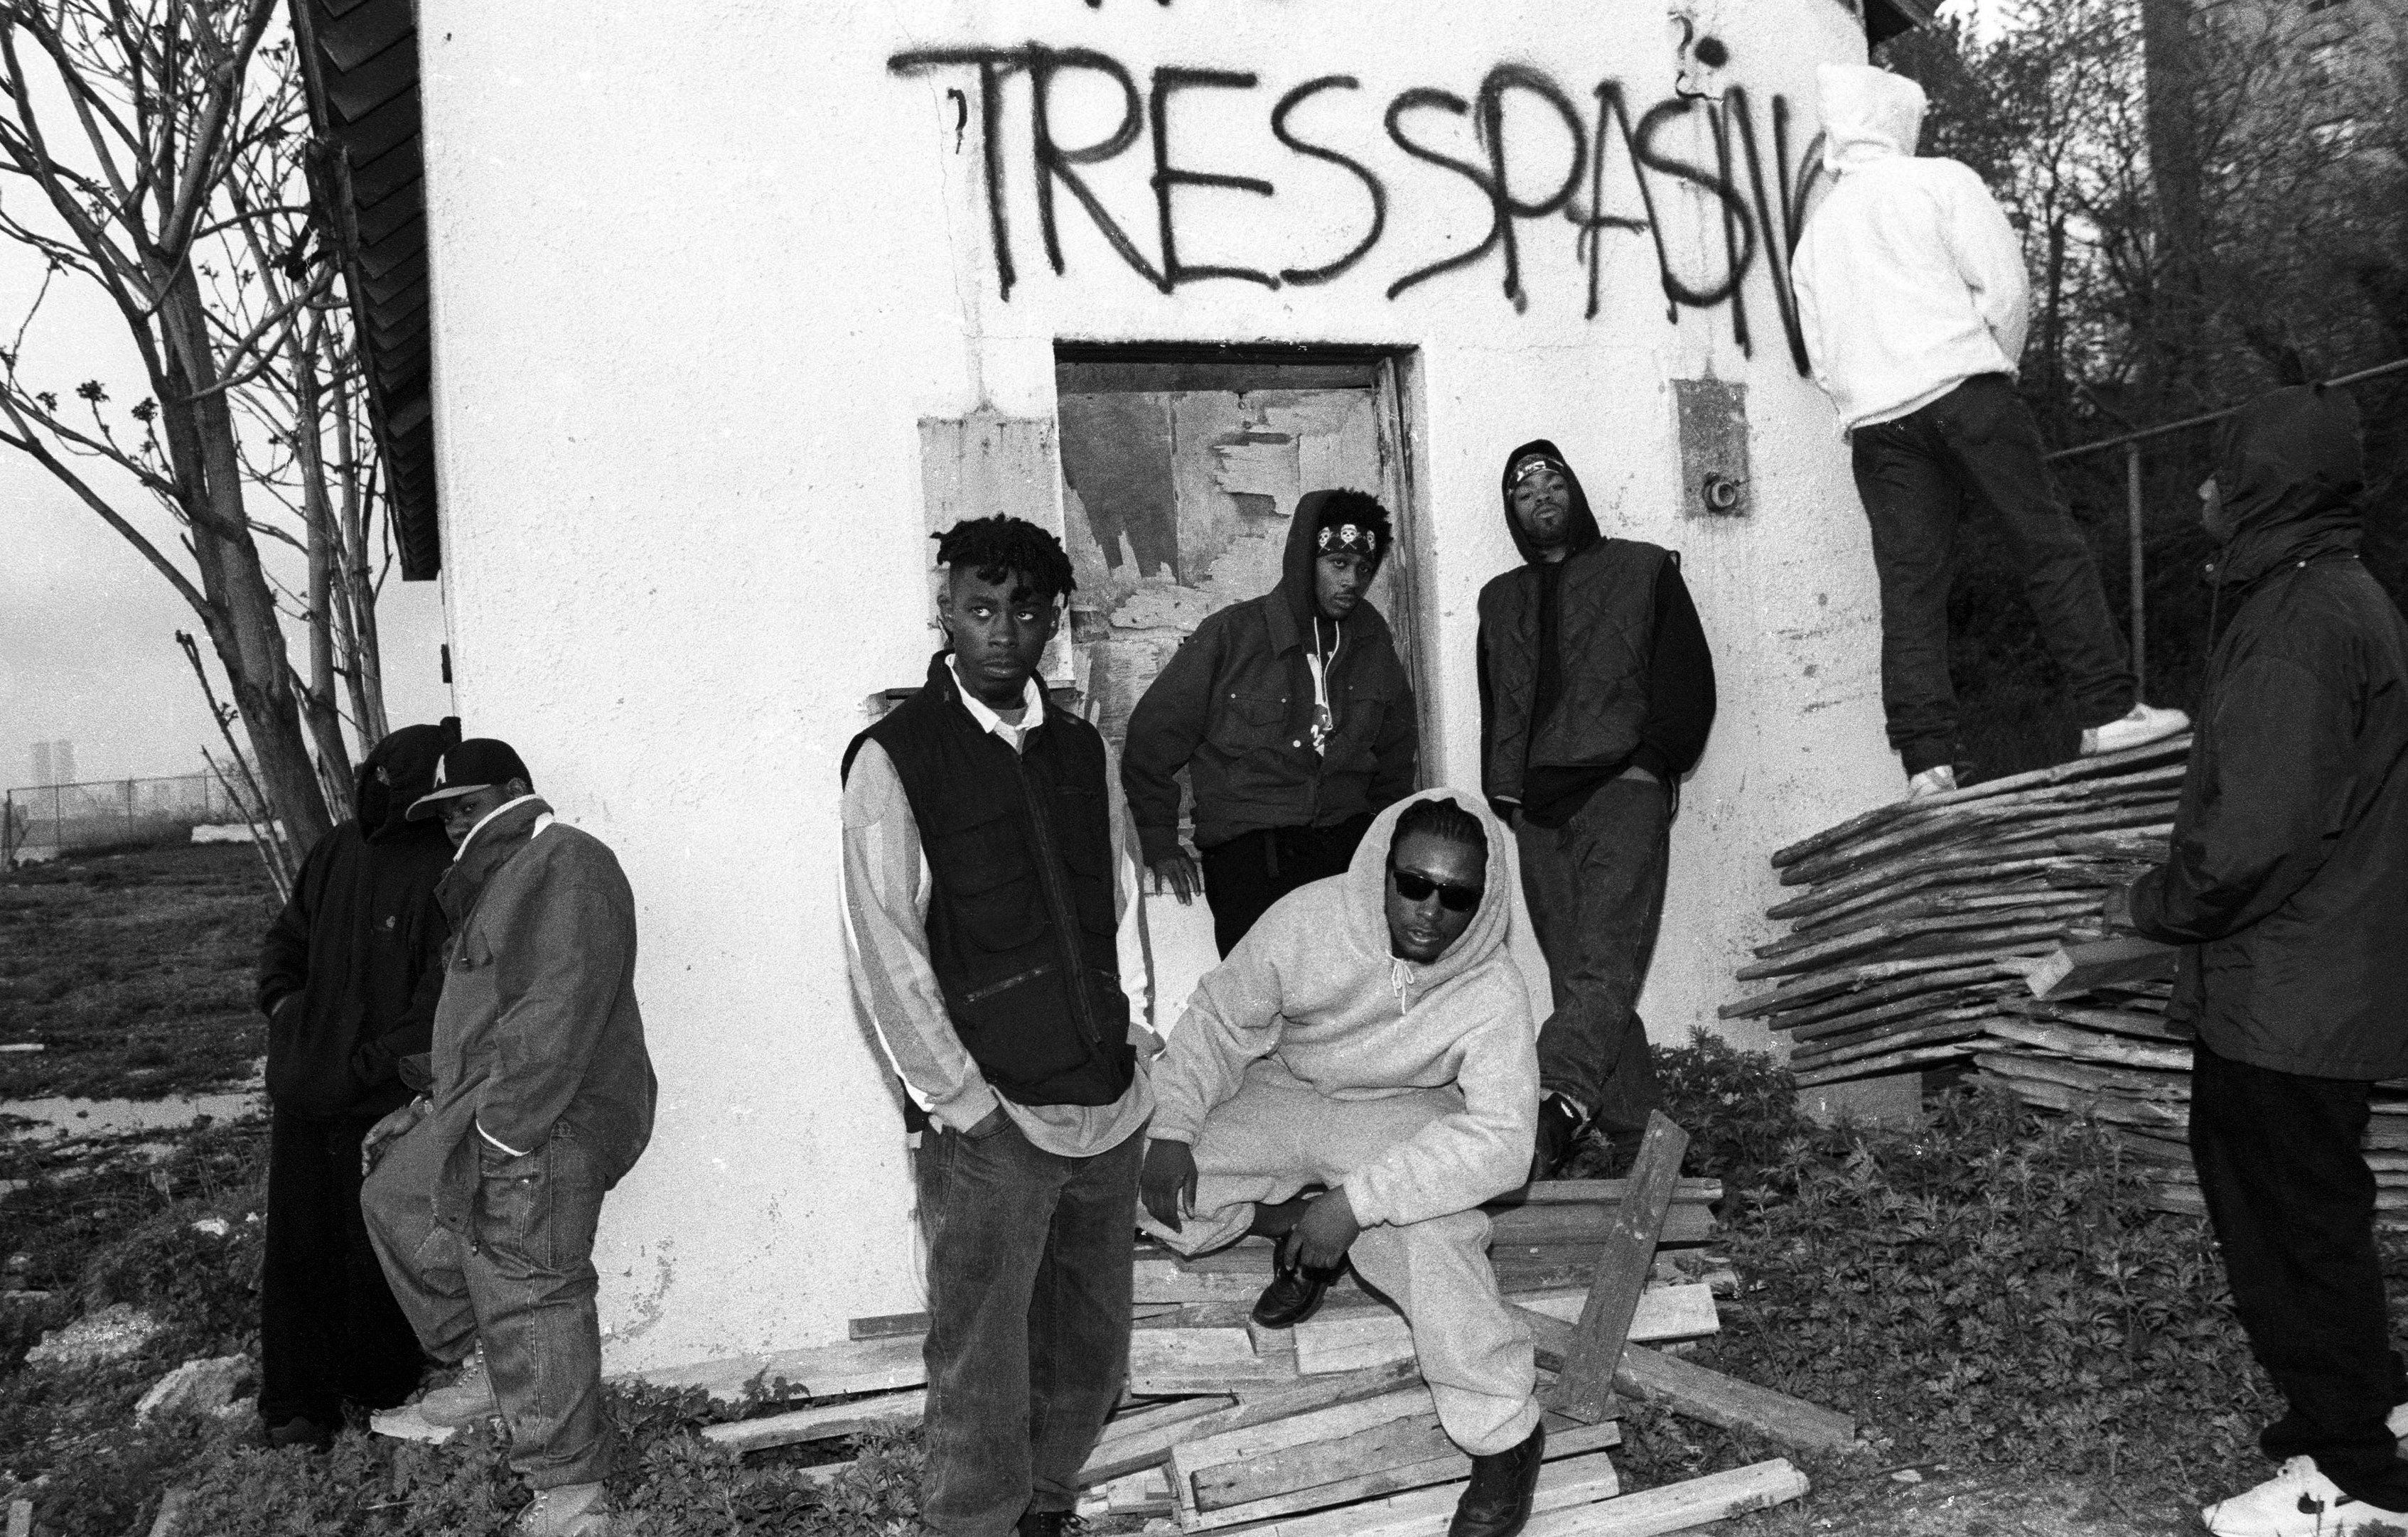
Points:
1234	707
350	972
1680	675
2288	876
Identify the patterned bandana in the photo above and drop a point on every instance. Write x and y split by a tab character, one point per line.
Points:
1348	539
1532	466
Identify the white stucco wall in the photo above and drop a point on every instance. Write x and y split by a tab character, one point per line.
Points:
696	280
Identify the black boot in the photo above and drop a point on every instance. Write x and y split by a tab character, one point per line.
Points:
1293	1296
1559	1134
1503	1484
1051	1523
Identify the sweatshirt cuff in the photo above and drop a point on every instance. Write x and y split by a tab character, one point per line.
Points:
1369	1201
1156	843
1173	1122
967	1108
1647	755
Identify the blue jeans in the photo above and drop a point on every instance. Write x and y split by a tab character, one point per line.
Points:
1028	1298
1977	443
521	1281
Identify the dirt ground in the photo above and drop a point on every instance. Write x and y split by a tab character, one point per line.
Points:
133	970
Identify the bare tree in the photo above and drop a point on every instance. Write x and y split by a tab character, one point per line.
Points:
162	142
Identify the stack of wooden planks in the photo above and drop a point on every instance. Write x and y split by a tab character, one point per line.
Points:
1327	1429
1916	921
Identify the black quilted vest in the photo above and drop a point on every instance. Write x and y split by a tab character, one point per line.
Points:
1021	927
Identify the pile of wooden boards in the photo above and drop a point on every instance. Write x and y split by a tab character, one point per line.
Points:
1917	922
1327	1429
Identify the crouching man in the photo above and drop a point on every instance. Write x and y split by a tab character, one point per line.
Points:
541	1098
1373	1036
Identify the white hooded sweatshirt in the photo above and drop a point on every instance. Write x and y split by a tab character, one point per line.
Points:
1314	985
1910	280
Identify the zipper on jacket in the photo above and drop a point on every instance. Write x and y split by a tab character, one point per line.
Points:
1049	877
980	995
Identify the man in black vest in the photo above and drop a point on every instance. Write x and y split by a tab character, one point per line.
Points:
992	921
1596	695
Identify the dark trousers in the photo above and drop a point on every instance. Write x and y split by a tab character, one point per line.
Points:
2292	1203
521	1281
1028	1300
1976	442
1245	875
1596	889
329	1329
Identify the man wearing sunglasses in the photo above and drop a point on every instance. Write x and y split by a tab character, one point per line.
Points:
1355	1080
1595	696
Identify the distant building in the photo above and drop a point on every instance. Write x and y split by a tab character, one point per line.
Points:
54	763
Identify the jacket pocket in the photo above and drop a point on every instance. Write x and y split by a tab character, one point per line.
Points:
989	878
1243	722
1083	832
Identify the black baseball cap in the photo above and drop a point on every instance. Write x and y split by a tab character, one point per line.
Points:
481	763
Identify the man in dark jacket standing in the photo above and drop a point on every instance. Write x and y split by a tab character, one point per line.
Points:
347	978
1294	720
2287	885
1596	695
541	1100
992	931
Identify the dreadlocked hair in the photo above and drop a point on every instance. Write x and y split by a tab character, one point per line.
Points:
997	547
1360	508
1442	819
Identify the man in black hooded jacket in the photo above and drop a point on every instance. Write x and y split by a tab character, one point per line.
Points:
1595	696
349	978
2287	885
1294	720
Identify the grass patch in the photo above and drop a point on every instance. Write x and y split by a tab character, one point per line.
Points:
136	971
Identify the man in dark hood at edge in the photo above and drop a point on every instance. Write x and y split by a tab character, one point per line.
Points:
349	978
1596	691
1294	720
2285	883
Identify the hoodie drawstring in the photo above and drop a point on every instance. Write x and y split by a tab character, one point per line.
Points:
1400	977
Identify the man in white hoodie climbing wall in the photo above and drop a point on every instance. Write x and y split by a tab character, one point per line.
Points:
1373	1038
1912	293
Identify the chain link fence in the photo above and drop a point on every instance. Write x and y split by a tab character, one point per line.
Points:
39	821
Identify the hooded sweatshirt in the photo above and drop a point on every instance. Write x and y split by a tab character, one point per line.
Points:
350	972
1316	986
1909	279
1645	678
2287	880
1235	708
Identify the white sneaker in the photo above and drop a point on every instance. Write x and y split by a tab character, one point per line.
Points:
2397	1422
572	1510
467	1400
2299	1501
2144	725
1939	779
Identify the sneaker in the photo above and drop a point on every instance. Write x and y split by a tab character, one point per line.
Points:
469	1400
1560	1123
1503	1486
300	1430
571	1510
2144	725
1939	779
2298	1501
2397	1422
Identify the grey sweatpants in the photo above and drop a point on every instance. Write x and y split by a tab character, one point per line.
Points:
1279	1135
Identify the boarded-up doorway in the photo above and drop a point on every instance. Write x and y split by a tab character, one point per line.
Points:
1180	470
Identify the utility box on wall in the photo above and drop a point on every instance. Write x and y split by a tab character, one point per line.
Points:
1713	446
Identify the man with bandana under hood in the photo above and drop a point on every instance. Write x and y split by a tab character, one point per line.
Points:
1293	717
349	978
1354	1081
1912	295
1596	691
2287	885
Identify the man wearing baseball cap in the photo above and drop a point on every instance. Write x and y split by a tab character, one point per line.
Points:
541	1098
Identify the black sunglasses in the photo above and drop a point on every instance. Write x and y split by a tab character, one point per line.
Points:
1415	887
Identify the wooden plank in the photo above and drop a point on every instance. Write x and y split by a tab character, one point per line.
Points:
20	1518
1830	1051
2123	1020
2106	1107
1399	1442
894	1411
1888	1062
2138	1083
1263	1438
1871	942
1685	1222
1697	1393
1678	1507
1452	1469
2124	958
1584	1389
859	1366
1565	1485
2089	1047
1360	1342
1167	1362
1948	1001
1143	1440
885	1326
1604	1192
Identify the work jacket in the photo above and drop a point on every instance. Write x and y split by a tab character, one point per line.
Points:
1234	706
2287	878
